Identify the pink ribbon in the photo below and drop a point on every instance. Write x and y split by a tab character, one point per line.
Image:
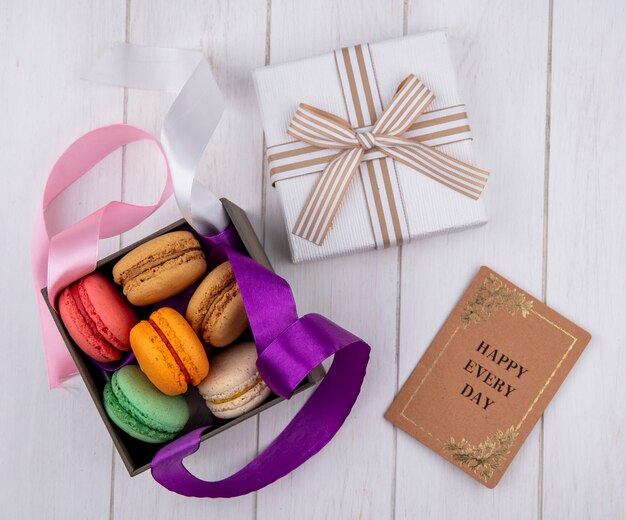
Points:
62	258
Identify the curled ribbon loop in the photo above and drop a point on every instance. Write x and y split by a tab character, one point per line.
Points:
60	259
189	123
63	258
324	130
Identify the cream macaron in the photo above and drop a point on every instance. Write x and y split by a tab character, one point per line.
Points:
234	385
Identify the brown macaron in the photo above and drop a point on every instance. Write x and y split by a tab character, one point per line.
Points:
216	311
160	268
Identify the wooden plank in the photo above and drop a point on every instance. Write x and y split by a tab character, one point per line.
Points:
584	442
232	35
500	54
55	451
352	477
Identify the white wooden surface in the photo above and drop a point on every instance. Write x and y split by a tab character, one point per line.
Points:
543	81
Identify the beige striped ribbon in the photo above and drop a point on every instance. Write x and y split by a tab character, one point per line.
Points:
434	128
402	132
378	175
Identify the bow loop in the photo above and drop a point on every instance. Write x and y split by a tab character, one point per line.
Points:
321	128
407	105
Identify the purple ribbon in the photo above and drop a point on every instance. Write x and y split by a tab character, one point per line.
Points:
112	366
289	349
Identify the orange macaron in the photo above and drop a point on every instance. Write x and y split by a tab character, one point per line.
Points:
169	352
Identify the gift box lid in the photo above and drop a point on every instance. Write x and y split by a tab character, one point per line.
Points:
429	206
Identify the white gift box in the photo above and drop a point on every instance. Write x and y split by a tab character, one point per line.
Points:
427	206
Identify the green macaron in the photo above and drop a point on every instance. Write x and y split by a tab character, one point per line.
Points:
140	409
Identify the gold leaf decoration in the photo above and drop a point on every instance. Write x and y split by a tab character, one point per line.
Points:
494	294
484	458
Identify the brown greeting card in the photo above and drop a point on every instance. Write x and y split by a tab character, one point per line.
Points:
487	377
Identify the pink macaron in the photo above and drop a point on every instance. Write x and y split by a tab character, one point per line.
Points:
97	317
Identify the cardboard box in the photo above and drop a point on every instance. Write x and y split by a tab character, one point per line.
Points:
137	455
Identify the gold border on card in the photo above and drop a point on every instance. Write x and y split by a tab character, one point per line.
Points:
530	311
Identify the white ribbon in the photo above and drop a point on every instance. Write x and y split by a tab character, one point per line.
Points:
189	123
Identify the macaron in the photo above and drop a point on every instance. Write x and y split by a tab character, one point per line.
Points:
216	311
97	317
160	268
137	407
169	352
234	385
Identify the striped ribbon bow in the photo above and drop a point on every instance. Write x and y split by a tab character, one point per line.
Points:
324	130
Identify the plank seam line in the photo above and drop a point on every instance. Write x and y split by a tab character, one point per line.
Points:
264	187
546	201
264	173
120	240
394	471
